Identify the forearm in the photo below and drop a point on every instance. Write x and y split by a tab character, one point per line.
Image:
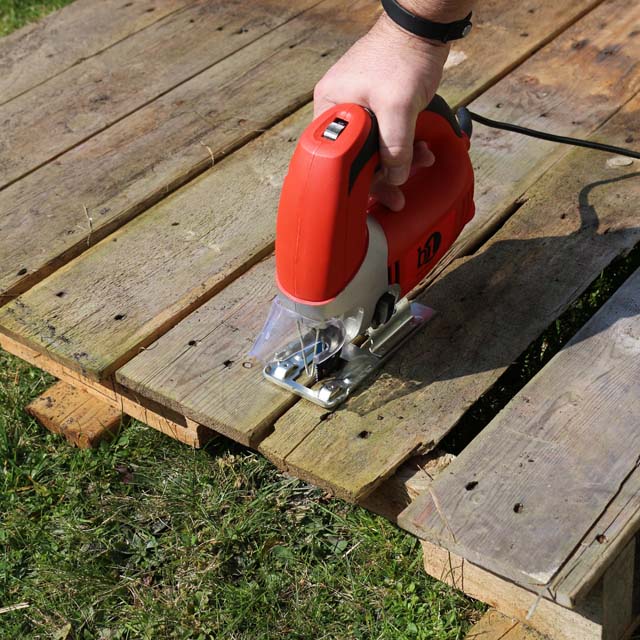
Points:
439	10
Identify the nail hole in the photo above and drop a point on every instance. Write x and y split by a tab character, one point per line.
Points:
227	363
470	486
192	343
151	9
61	294
242	30
22	272
219	28
120	316
324	417
518	507
175	224
191	20
324	55
380	418
601	538
292	46
364	434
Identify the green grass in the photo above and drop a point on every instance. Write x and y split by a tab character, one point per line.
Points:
16	13
145	538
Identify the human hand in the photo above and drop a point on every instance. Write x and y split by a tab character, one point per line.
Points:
395	74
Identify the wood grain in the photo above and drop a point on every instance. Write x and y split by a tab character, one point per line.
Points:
605	541
117	174
89	97
547	467
160	418
48	47
74	413
495	626
513	601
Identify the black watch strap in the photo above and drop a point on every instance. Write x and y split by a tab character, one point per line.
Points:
426	28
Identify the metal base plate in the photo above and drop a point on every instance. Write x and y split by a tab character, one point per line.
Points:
357	362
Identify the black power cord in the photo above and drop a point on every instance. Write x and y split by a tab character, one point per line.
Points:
465	116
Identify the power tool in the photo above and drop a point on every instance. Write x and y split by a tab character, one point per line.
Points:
344	262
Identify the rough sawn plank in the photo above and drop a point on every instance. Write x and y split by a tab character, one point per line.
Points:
523	495
64	38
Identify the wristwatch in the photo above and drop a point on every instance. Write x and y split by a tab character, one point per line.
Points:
442	31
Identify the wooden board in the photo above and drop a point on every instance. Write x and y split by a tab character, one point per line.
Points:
495	626
160	418
94	94
492	305
191	282
525	493
76	414
605	541
70	35
88	192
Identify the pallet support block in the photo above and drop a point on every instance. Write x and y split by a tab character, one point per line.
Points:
611	610
75	414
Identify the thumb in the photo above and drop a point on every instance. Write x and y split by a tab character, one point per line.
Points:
320	100
397	129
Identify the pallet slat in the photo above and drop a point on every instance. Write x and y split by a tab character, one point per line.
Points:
109	392
70	35
98	186
547	467
74	413
94	94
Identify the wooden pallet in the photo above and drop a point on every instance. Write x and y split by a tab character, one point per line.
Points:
137	213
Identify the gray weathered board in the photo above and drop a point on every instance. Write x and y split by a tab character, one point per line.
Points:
526	492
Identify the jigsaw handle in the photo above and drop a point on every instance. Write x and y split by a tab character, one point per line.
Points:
321	230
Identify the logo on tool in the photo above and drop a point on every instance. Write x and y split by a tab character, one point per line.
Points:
429	249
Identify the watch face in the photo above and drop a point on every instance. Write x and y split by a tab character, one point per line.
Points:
467	30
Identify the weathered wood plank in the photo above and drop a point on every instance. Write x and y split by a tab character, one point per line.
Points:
548	252
163	373
604	542
122	171
74	413
496	626
89	97
524	494
70	35
152	414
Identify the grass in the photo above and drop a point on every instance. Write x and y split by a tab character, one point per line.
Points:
16	13
145	538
